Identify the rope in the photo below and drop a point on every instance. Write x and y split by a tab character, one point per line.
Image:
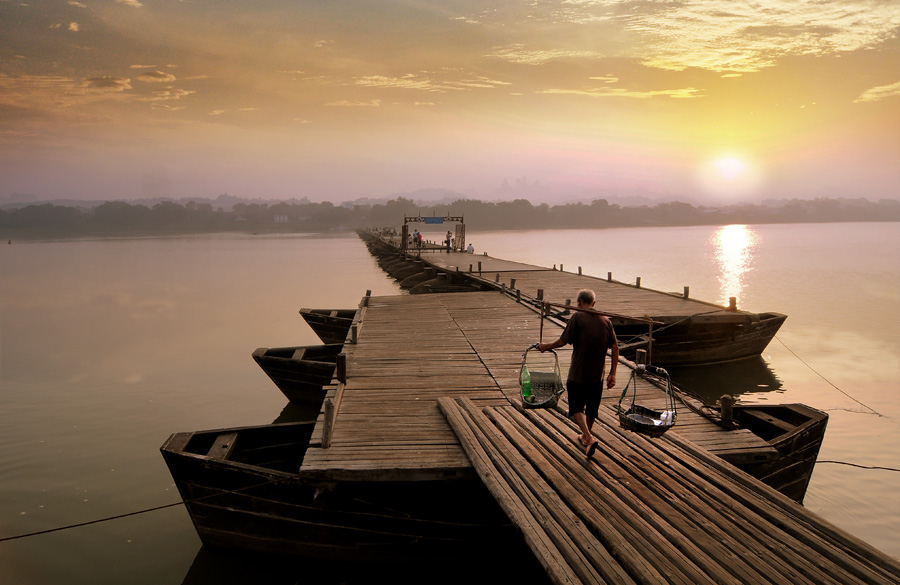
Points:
861	466
144	511
871	410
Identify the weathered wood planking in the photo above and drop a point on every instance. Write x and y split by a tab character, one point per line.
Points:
413	349
558	285
649	511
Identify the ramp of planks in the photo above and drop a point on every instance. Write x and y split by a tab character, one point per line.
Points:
648	511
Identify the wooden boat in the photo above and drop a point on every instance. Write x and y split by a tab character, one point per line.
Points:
795	431
243	489
331	325
301	372
716	337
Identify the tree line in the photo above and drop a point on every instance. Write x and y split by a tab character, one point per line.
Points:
119	218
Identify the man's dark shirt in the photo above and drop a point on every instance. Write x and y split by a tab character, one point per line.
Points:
591	335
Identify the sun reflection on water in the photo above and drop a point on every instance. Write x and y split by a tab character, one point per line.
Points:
734	250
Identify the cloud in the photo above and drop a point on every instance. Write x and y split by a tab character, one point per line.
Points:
415	82
53	94
721	35
133	3
879	93
217	112
349	104
410	81
156	77
77	4
169	95
688	92
107	84
716	35
518	54
73	26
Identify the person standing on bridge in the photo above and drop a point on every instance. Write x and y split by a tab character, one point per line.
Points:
591	335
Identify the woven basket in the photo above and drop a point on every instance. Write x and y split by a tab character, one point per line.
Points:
642	419
545	390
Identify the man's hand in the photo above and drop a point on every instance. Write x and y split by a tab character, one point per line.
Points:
611	381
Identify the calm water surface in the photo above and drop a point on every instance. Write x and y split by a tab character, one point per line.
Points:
108	346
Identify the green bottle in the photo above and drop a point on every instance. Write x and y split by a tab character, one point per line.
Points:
526	384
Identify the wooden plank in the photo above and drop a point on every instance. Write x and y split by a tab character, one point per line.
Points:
581	544
661	499
223	446
533	532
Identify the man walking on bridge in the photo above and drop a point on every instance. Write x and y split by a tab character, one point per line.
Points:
591	335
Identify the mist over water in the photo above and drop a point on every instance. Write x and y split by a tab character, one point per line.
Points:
108	346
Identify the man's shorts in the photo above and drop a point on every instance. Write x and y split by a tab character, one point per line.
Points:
584	398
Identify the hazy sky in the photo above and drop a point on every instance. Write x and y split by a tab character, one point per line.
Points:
710	100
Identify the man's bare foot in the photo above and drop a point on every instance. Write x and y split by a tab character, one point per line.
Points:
589	449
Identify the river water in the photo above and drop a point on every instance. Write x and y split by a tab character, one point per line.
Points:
107	346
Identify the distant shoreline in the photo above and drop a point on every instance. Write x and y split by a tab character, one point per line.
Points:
46	221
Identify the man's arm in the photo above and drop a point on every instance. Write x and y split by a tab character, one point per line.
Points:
542	347
613	364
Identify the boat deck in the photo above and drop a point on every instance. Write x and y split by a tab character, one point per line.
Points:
558	285
413	349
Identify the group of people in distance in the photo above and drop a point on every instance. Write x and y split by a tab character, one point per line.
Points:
415	239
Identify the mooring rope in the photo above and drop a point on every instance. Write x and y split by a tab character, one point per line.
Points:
830	383
144	511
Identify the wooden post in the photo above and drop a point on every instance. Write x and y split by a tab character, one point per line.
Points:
579	271
732	303
328	428
687	291
512	283
609	276
560	267
479	268
637	282
518	296
340	367
354	333
727	408
640	357
540	297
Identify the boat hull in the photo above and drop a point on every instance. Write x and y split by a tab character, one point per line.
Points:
237	502
331	325
719	338
796	431
300	372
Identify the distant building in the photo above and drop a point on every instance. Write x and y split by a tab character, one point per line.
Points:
281	219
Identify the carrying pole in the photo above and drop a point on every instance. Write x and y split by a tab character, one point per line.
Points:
541	335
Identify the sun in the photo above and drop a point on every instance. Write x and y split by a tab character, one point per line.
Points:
730	168
729	176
